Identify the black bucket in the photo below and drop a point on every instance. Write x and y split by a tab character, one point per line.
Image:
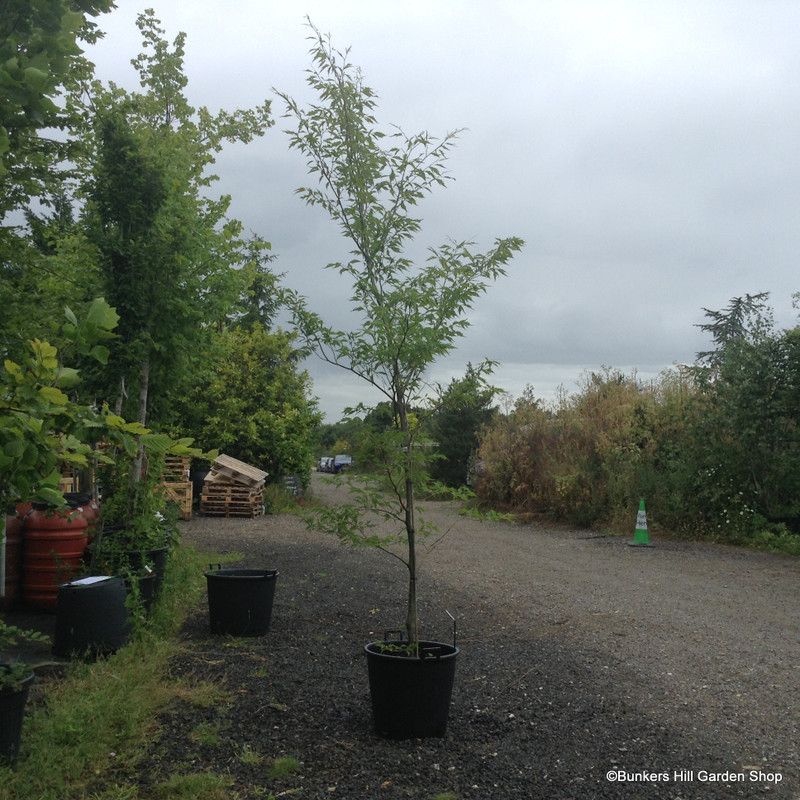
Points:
240	600
12	715
410	695
91	617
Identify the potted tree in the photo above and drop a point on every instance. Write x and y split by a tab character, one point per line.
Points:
137	521
16	679
410	315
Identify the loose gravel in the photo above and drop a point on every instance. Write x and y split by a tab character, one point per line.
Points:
588	668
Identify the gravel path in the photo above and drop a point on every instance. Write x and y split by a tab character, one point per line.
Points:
675	667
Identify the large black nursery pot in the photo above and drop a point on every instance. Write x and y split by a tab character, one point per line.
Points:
92	617
240	600
12	714
156	558
411	693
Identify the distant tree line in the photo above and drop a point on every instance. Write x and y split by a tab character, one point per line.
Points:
714	448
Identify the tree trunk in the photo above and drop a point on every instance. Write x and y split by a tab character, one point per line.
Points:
412	628
412	632
139	461
144	388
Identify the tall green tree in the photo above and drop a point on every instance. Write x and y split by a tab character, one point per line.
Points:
748	442
465	407
254	403
369	183
40	52
172	262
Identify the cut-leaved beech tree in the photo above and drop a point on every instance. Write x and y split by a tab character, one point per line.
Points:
410	314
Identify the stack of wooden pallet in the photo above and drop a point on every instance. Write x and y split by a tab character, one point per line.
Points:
233	489
177	485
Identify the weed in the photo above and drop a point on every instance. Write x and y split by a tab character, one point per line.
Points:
250	756
204	694
203	784
284	766
207	733
261	672
486	516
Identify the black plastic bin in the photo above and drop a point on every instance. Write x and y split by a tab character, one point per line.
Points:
91	617
240	600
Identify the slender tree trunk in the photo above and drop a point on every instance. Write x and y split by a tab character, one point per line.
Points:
121	392
412	632
144	388
412	627
138	461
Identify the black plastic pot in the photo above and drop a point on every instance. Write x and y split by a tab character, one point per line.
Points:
136	560
91	618
12	714
240	600
411	695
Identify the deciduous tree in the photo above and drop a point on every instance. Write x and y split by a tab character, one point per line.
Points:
370	182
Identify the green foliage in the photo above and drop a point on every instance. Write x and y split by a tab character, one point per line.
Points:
39	53
253	404
465	407
715	449
369	183
168	253
41	428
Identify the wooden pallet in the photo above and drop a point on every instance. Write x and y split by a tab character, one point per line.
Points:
181	494
232	500
226	469
176	469
227	509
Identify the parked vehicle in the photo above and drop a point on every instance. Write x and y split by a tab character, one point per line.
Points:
341	462
325	464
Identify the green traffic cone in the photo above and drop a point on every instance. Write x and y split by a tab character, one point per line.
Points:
640	538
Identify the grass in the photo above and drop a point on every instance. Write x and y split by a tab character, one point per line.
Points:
207	733
282	767
96	721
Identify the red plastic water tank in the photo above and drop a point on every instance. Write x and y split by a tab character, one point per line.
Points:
54	542
86	505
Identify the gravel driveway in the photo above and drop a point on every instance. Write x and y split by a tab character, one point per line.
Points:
588	668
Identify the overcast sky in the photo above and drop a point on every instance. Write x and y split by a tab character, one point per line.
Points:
647	151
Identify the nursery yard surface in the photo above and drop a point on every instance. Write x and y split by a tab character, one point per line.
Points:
588	668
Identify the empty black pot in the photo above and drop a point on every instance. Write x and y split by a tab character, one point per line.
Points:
240	600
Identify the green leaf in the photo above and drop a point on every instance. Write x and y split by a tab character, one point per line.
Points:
53	395
68	377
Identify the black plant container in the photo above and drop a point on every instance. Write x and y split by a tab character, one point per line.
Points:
240	600
410	694
92	617
12	714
